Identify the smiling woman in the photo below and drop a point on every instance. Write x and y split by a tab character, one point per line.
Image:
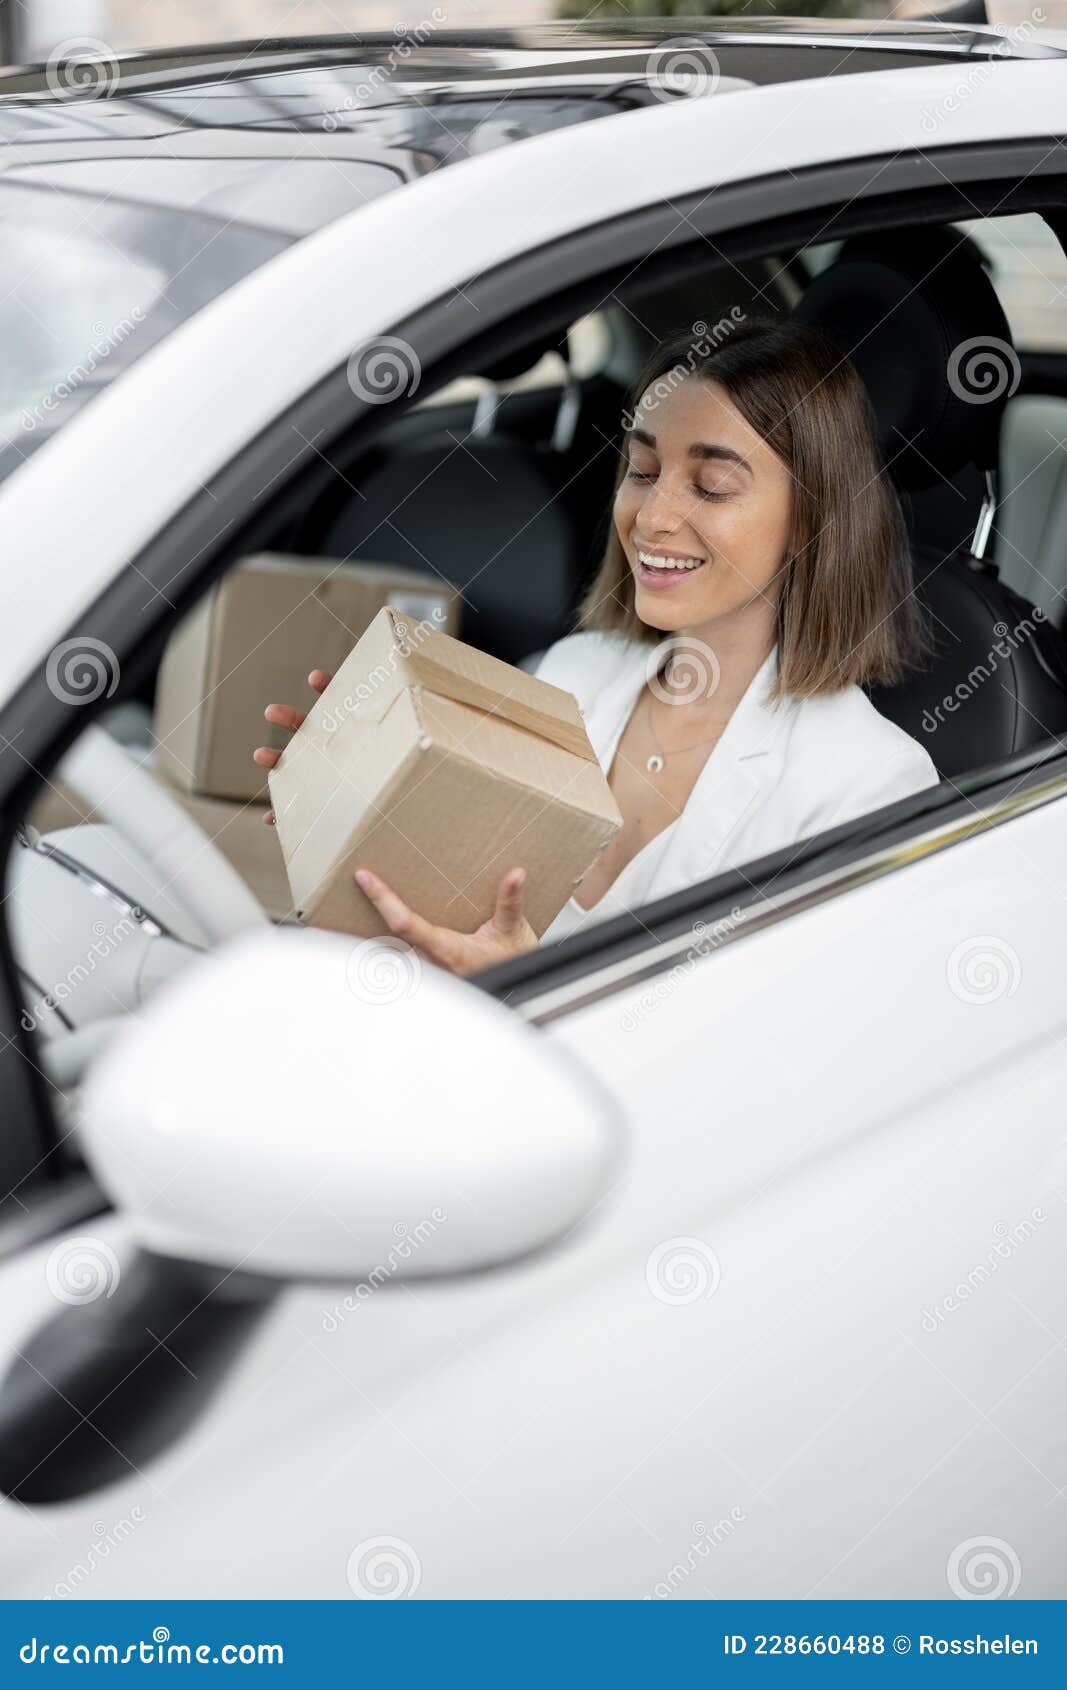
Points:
756	578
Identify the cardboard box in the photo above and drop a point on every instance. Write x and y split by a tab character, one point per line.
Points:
252	641
440	768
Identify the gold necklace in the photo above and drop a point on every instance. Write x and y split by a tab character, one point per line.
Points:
658	761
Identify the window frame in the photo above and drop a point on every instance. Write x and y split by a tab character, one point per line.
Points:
742	221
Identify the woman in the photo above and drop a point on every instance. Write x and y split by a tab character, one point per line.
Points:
756	575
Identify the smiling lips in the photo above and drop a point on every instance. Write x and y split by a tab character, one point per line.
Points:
665	569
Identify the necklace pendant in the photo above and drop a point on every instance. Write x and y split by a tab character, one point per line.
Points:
654	764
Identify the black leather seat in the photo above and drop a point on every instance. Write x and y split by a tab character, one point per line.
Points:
491	513
920	320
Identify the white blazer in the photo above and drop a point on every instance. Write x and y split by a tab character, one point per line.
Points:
777	775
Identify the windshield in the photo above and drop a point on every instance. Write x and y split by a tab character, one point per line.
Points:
88	283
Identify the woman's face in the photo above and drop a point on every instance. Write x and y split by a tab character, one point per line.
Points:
703	509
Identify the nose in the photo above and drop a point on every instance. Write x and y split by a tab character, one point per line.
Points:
661	512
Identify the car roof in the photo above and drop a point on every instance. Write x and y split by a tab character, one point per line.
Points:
288	133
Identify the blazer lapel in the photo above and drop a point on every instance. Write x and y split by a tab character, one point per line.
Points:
742	766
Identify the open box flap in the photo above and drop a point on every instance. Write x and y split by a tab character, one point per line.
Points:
441	664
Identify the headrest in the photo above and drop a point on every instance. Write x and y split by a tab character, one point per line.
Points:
920	320
494	521
526	356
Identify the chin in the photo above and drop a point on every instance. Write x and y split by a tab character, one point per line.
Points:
651	609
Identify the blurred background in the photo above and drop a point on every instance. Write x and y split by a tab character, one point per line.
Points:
32	28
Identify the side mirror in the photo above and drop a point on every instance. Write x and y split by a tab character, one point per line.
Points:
304	1105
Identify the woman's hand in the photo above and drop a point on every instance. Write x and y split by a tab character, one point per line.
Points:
284	716
507	933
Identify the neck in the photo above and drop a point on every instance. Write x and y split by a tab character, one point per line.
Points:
740	642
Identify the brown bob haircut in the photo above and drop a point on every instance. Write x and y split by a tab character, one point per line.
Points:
846	612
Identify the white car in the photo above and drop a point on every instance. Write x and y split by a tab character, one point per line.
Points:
718	1251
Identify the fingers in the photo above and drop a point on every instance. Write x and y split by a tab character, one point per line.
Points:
284	716
269	818
401	920
508	915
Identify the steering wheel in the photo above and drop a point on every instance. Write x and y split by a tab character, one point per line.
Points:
174	851
114	786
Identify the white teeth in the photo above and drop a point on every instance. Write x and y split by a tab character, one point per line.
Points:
651	562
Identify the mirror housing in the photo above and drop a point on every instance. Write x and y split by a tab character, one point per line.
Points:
309	1106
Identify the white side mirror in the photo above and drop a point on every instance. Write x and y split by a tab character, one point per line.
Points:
312	1106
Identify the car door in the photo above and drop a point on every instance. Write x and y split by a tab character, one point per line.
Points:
588	1420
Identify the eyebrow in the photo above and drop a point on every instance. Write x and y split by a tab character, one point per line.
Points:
699	449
